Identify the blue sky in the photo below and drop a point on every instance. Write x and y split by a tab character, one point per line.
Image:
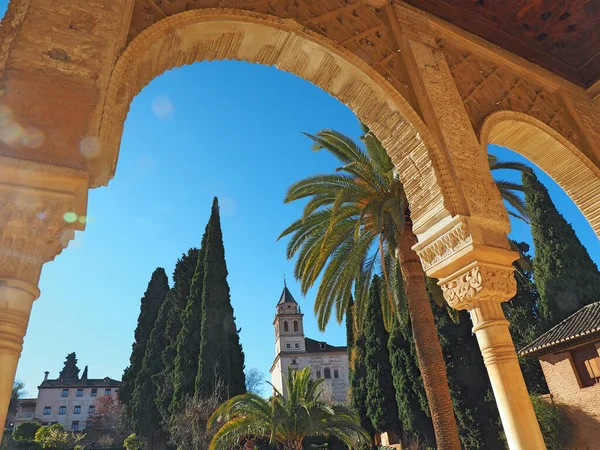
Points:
228	129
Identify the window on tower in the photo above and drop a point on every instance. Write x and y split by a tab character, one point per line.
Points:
327	372
296	345
285	326
288	345
295	325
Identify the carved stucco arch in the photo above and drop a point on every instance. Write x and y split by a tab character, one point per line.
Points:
551	152
220	34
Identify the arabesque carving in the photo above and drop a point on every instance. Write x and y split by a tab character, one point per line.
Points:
446	245
487	85
33	231
480	283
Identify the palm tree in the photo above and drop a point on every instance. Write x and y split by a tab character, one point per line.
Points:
357	221
285	422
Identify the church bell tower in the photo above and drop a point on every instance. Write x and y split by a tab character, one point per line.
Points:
289	329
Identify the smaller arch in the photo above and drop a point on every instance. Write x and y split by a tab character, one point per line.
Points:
574	172
285	326
295	325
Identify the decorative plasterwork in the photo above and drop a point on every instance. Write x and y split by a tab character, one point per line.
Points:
487	85
479	283
33	230
448	244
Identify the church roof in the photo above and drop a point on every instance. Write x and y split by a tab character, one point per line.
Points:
313	346
91	382
286	297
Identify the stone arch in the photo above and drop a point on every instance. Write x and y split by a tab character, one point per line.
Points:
551	152
218	34
286	327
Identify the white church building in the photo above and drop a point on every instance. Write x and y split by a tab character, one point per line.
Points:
295	351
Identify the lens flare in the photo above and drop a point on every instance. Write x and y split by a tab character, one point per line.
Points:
70	217
11	133
32	138
89	146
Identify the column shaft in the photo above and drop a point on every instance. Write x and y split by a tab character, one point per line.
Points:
517	414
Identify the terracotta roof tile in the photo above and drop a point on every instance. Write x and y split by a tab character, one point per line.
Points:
580	327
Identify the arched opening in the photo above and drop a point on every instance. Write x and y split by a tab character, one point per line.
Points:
286	327
553	154
204	35
295	325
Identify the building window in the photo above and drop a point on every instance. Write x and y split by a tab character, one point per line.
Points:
294	362
94	392
318	374
47	410
107	391
77	410
587	364
88	424
285	326
296	344
288	345
295	325
65	393
327	372
62	410
91	409
79	392
336	373
75	425
44	424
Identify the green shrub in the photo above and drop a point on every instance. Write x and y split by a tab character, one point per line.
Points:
556	426
26	432
79	447
132	442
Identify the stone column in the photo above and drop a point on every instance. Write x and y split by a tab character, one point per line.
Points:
481	288
39	211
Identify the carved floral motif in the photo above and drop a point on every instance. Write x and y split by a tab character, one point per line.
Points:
480	283
446	245
33	230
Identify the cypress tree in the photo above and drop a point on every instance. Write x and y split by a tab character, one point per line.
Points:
150	304
523	314
70	371
189	337
566	277
382	408
474	406
145	415
220	352
357	373
413	409
174	306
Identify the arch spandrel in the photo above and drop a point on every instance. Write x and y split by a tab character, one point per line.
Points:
550	151
203	35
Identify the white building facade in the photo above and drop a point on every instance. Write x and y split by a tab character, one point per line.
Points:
71	402
295	351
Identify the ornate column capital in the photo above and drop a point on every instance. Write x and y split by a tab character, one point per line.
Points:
39	213
479	283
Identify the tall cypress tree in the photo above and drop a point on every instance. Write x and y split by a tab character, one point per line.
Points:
189	337
566	277
382	408
525	325
145	416
357	373
413	409
220	352
70	371
150	304
174	306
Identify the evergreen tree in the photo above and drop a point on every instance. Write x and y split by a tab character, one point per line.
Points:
220	358
173	309
382	408
70	370
565	276
413	409
474	406
189	337
150	303
523	314
357	373
145	415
